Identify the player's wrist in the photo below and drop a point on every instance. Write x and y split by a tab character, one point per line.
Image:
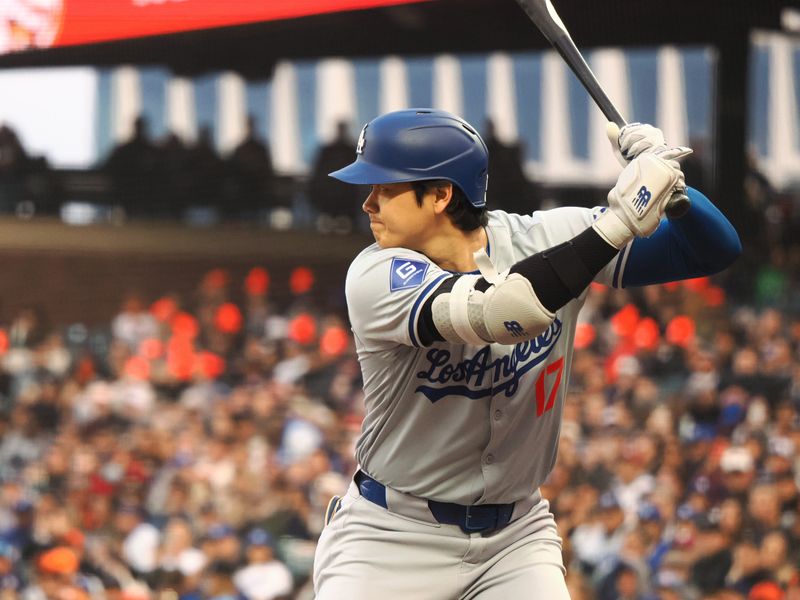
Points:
613	229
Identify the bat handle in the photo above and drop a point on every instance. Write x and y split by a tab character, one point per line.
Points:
678	204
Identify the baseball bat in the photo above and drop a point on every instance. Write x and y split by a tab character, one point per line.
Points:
544	16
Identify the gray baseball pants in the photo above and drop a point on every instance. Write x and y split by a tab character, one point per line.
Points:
370	553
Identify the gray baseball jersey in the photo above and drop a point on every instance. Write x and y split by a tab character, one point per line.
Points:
455	423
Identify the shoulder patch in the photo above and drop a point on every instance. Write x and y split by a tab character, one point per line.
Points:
407	273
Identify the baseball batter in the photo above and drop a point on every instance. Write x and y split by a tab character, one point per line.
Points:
464	321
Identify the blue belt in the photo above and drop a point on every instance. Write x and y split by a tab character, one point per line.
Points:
479	518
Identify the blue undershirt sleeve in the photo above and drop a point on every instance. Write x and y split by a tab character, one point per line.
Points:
700	243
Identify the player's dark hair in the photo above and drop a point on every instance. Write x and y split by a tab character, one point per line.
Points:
462	213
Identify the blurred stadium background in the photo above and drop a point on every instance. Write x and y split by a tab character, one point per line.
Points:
178	386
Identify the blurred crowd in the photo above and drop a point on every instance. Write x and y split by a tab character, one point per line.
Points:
168	177
678	473
192	454
189	456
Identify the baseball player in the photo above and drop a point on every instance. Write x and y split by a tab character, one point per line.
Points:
464	320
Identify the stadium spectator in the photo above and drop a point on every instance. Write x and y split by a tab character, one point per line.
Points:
251	174
263	577
24	179
510	189
336	203
134	324
13	157
207	170
175	175
133	166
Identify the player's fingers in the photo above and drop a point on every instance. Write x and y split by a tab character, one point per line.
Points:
637	147
612	131
674	153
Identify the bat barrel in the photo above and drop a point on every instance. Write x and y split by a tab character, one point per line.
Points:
544	16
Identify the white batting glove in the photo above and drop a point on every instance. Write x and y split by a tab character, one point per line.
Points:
633	140
637	201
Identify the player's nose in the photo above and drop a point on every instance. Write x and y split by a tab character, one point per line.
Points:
370	205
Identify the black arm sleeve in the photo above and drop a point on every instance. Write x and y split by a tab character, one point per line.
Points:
557	275
562	272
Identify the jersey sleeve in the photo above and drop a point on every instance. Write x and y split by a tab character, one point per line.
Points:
385	291
702	242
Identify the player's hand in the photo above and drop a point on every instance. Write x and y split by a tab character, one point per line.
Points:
643	189
638	200
633	139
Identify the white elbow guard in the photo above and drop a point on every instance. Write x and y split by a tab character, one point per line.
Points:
512	312
507	313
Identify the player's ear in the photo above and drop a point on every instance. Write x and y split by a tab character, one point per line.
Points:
444	195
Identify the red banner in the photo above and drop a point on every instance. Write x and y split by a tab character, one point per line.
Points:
28	24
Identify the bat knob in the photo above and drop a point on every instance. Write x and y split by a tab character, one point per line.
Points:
678	205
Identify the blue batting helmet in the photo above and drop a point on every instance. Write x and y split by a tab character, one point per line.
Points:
420	144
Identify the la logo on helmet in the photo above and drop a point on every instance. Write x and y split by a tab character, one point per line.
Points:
362	140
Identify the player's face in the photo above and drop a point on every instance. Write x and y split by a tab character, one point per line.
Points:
395	218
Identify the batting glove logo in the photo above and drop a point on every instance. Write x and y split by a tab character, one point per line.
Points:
642	199
514	328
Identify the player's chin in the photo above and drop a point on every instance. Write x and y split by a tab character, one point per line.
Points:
385	241
384	244
381	236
